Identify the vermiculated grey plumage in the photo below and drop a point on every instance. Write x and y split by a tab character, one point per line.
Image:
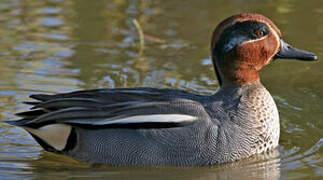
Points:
224	130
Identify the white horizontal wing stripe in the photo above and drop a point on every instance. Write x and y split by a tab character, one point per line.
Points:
154	118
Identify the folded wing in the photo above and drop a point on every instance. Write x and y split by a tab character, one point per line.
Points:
128	108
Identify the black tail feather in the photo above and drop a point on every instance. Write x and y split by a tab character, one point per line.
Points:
19	122
31	102
62	103
41	97
31	114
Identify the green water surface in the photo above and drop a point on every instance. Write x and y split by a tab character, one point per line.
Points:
51	46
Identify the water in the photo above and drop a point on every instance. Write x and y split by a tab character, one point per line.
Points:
58	46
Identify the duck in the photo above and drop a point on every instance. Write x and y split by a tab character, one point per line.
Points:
169	127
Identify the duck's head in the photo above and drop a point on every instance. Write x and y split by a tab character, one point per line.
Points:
242	44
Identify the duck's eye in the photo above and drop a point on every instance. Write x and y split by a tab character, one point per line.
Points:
260	33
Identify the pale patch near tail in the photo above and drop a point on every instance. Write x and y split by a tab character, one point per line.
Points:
55	135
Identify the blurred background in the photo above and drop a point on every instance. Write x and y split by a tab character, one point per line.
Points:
51	46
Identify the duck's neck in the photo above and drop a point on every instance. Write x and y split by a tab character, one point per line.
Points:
230	84
241	75
232	90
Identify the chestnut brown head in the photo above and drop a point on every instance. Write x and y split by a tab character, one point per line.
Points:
244	43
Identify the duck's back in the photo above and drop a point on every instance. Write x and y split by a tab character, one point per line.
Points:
145	126
136	126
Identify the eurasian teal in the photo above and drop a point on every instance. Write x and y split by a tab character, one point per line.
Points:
147	126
